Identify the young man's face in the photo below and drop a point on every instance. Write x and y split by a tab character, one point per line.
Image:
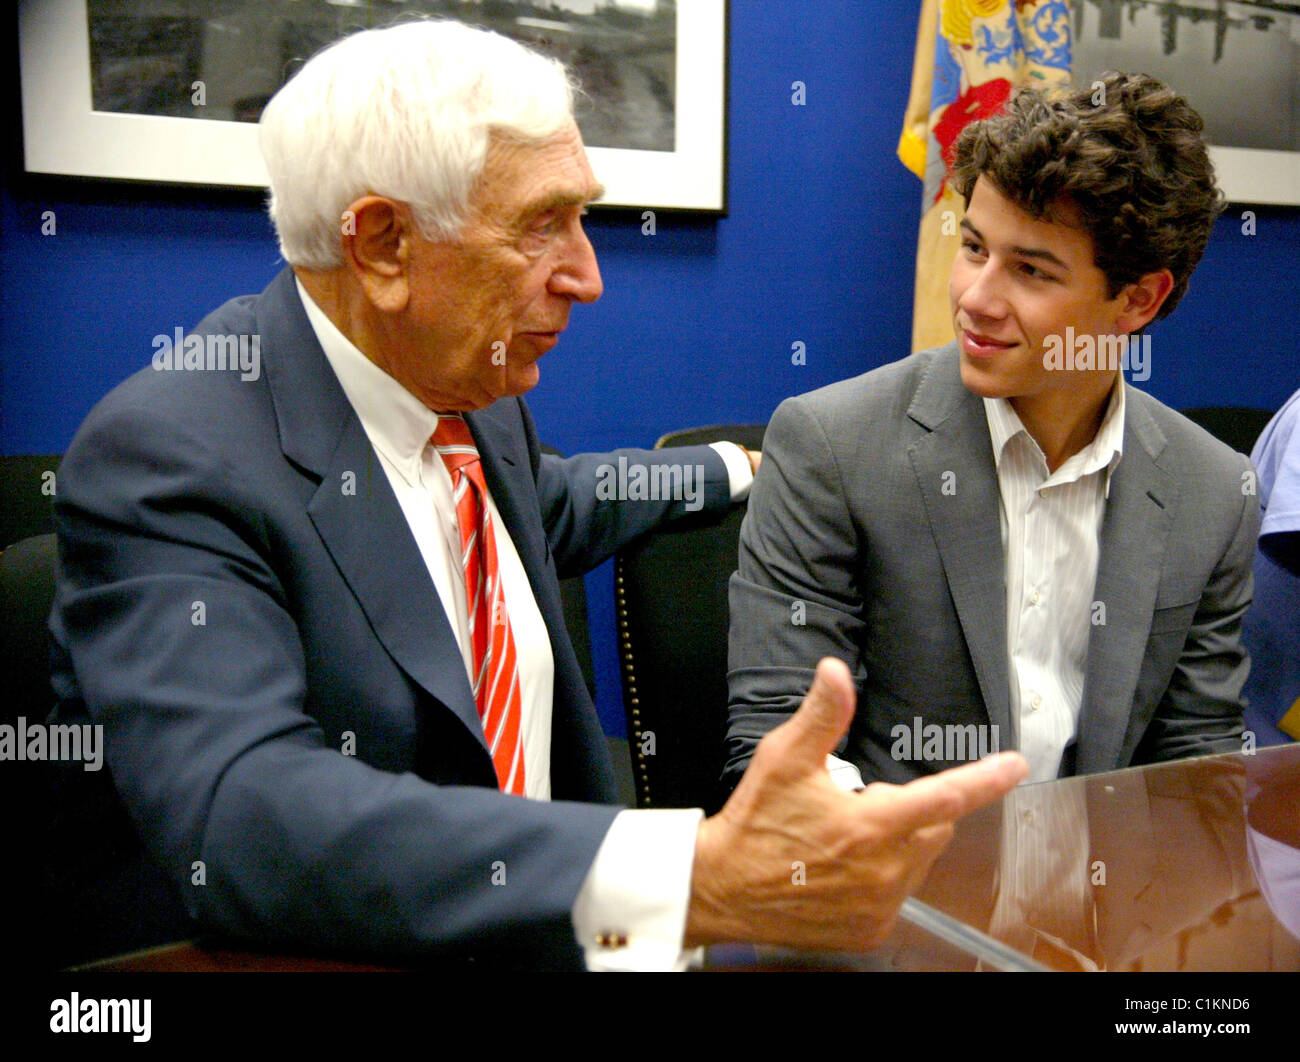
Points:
1015	282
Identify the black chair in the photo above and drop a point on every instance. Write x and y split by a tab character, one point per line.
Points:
1238	426
27	485
87	886
26	594
670	593
27	558
573	596
79	873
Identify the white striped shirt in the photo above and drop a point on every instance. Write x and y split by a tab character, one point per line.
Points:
1051	531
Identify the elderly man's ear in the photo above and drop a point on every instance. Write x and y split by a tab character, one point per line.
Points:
377	250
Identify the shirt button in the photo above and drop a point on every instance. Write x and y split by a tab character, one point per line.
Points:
1036	702
1034	598
611	940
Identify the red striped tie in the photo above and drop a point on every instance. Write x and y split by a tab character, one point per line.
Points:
496	670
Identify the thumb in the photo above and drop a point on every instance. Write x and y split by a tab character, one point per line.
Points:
824	715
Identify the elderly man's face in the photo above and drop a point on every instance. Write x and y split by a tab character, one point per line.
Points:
484	308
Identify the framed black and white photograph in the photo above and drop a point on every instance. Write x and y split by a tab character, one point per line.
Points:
171	90
1237	63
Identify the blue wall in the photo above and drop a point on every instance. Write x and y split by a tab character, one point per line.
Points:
697	322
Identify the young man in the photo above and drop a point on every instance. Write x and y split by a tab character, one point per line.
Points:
1008	545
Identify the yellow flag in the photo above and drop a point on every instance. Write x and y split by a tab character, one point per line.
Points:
970	55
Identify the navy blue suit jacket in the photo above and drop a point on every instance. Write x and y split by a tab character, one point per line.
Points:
241	603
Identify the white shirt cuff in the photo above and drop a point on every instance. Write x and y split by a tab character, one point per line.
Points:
843	774
630	913
740	474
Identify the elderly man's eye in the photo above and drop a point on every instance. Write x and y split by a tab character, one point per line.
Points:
546	225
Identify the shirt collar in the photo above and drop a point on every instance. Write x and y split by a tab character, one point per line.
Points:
397	423
1104	452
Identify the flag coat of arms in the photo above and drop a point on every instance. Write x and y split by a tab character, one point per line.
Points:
970	56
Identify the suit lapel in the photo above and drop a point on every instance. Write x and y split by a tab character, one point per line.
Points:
953	463
508	474
365	532
580	766
1133	537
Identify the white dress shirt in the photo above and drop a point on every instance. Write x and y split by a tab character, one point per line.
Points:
637	890
1044	905
1051	532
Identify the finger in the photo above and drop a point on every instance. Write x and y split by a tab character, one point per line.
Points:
823	717
984	781
946	796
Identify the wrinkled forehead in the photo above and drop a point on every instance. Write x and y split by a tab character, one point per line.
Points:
534	176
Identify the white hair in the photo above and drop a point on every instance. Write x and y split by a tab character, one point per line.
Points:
406	112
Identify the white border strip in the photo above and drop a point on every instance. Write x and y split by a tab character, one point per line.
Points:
62	135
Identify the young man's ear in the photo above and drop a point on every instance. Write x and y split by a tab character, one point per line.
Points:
1141	300
376	248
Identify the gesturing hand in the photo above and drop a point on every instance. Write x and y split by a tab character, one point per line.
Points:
791	859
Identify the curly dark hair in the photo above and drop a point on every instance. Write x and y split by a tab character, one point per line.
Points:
1126	152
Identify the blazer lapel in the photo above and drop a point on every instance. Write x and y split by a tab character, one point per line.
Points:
508	474
365	532
953	463
580	765
1133	537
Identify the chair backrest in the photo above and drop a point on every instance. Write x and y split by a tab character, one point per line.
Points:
82	874
27	485
1238	426
670	593
28	552
26	594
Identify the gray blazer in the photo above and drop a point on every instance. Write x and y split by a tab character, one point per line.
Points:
852	547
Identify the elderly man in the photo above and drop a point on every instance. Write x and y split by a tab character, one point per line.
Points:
316	607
